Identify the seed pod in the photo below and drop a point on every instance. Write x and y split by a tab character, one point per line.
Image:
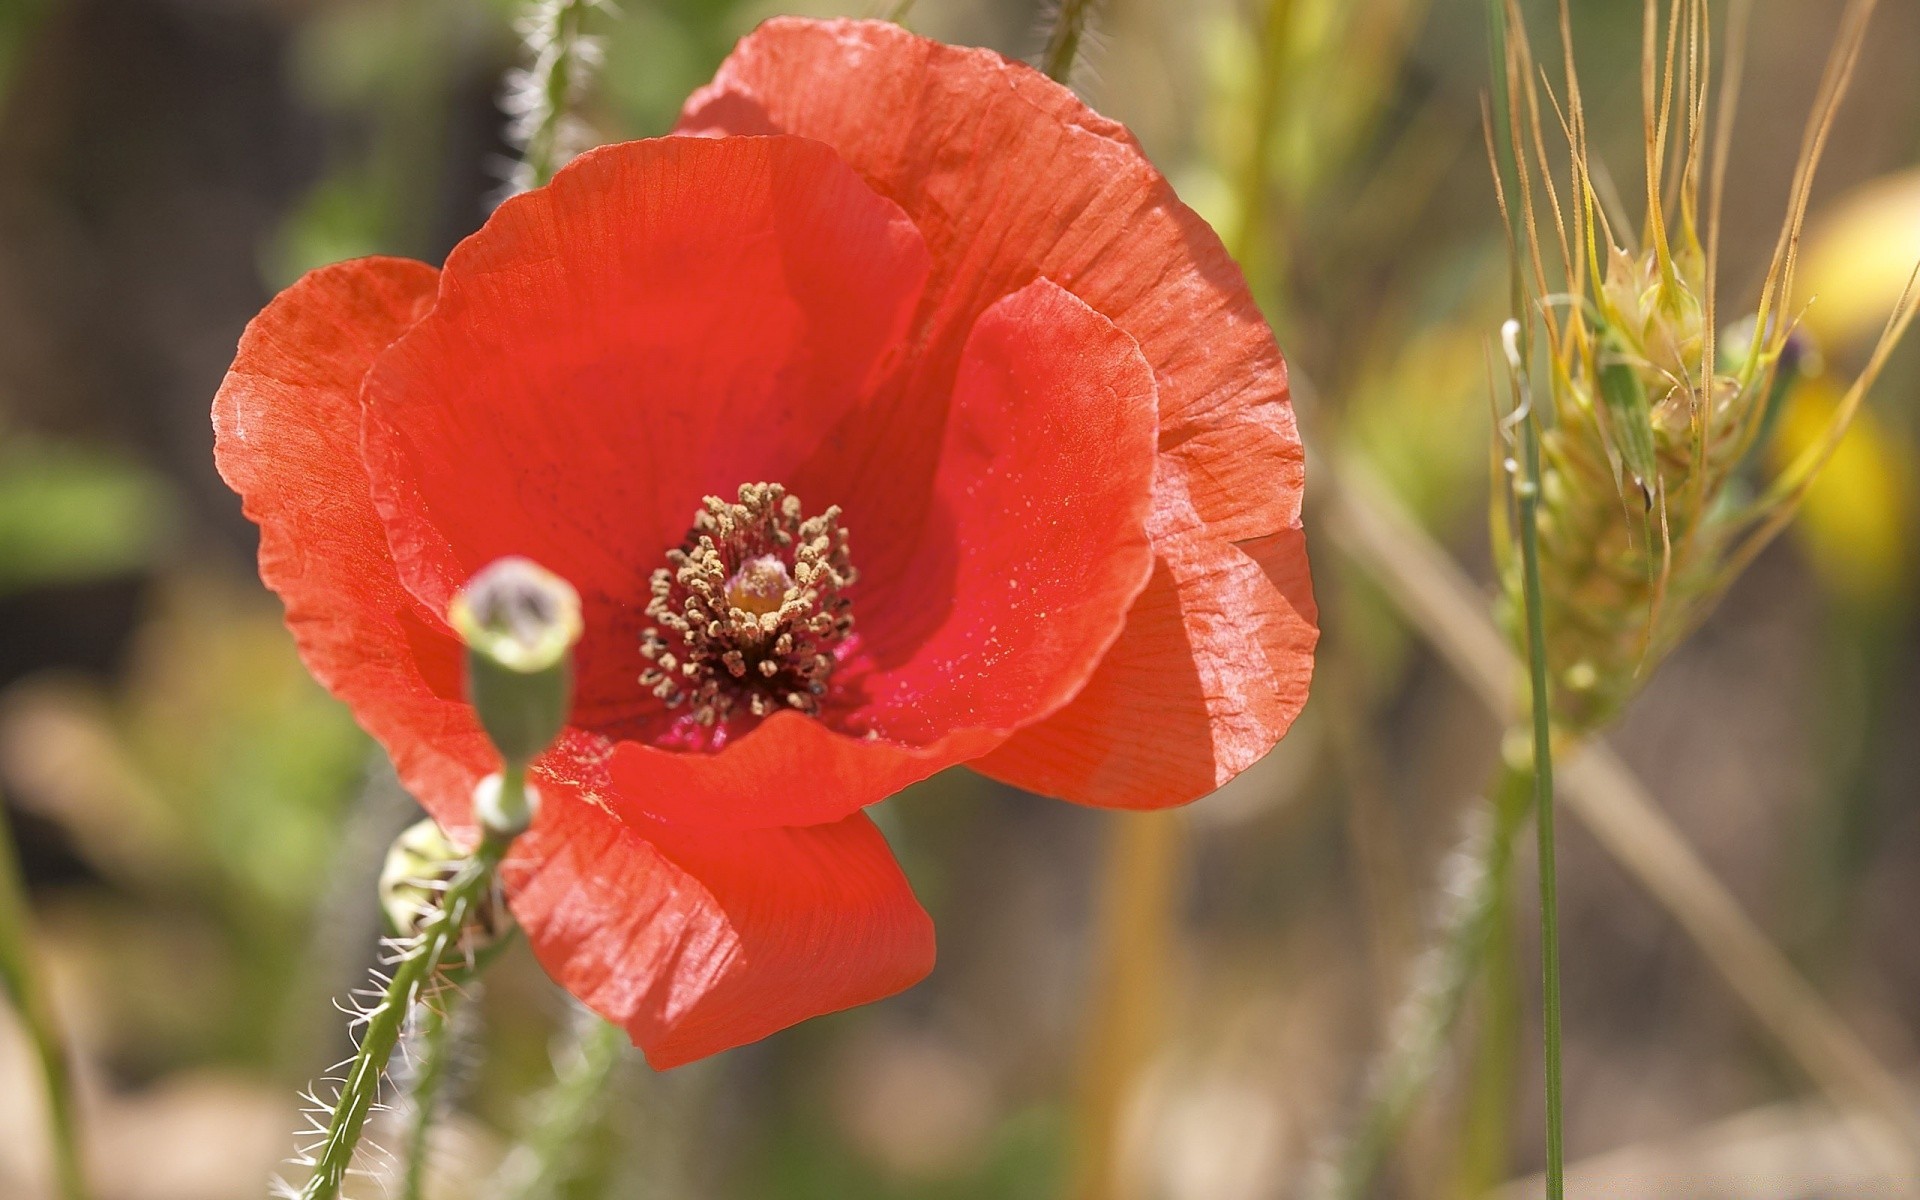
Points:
412	880
520	622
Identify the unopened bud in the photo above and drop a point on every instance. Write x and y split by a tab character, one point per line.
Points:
520	622
413	879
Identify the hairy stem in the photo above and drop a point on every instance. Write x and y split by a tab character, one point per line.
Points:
20	975
435	1041
1063	44
539	1165
1476	880
414	971
542	98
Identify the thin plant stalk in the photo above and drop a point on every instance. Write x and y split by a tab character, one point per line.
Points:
1476	883
585	1071
1063	43
1526	493
1481	1163
1248	240
1144	868
435	1042
415	970
20	975
1445	607
1528	496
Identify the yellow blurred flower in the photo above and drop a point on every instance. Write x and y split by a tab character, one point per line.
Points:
1857	523
1859	257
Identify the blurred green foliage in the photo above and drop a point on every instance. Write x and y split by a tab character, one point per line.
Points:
71	513
808	1160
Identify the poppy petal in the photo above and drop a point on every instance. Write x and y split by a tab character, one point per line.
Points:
667	320
695	942
1038	535
1161	723
700	941
1009	176
286	438
1039	547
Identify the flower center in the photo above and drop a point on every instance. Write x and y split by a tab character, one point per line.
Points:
751	610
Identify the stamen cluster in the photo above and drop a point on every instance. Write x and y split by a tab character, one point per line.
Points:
751	611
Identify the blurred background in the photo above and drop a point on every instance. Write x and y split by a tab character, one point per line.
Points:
1161	1008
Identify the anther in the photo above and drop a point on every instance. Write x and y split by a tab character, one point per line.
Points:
754	604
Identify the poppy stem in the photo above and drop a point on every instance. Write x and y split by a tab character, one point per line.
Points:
415	970
435	1041
1476	880
585	1069
1063	44
20	976
541	100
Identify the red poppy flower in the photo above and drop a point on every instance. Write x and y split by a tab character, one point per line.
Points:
922	426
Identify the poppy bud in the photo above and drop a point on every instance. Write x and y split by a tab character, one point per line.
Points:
412	880
411	884
520	622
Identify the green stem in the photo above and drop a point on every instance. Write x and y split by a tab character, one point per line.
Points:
537	1167
435	1041
1432	1008
555	67
413	973
1247	239
1484	1137
1527	512
1063	44
20	976
1528	496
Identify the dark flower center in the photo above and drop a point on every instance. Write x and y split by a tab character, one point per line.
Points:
751	609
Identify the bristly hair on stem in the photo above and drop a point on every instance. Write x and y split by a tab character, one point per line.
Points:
1068	31
413	971
541	98
1474	878
431	1051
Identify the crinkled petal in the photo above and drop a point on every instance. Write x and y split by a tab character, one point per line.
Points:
287	438
1010	177
1219	656
1036	548
696	941
667	320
